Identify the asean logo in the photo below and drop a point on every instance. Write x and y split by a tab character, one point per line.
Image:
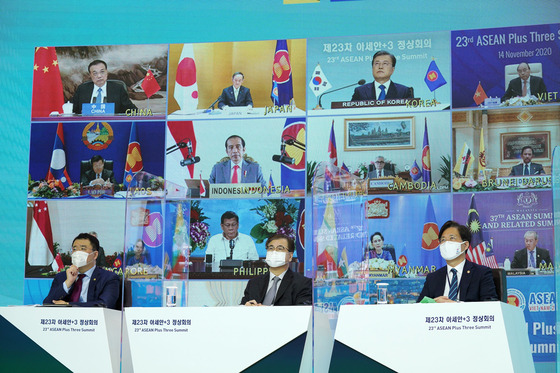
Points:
97	135
281	68
516	298
432	76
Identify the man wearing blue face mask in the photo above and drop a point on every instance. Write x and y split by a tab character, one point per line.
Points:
84	284
280	286
460	280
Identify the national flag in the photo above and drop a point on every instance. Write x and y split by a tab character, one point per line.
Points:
415	171
270	184
426	165
48	94
479	95
202	188
433	77
293	175
150	84
57	171
282	74
479	252
57	264
118	262
327	239
343	264
464	161
481	156
300	231
345	168
328	180
430	232
333	157
167	270
186	88
274	94
41	248
180	132
134	161
319	82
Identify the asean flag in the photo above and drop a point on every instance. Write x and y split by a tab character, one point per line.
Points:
430	242
426	163
134	162
433	78
282	74
293	175
186	88
57	171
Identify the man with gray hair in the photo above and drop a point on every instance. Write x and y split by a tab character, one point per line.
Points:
380	170
531	256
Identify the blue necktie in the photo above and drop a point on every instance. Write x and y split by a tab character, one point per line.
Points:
532	263
454	287
382	94
99	99
526	172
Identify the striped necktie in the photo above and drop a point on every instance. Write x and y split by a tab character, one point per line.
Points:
454	287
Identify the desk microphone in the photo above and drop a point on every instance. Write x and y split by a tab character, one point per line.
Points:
360	82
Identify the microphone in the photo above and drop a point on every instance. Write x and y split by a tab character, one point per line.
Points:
190	160
211	107
283	159
231	246
360	82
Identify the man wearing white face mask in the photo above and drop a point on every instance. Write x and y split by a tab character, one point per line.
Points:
84	284
280	286
460	280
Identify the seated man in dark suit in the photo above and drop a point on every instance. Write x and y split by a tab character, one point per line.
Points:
84	284
382	88
98	175
280	286
529	257
236	169
460	279
99	90
527	168
525	85
380	170
236	94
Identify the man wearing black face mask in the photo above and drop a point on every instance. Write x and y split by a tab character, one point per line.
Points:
83	283
460	279
280	286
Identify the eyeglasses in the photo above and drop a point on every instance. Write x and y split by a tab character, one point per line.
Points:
279	248
382	64
379	162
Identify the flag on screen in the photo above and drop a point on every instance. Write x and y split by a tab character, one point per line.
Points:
328	180
426	165
430	231
327	242
186	88
41	248
293	175
274	93
150	84
479	95
57	264
333	157
180	132
48	94
343	264
282	74
134	162
57	171
319	83
202	188
433	77
270	184
479	252
464	161
415	171
481	156
345	168
300	231
167	270
118	262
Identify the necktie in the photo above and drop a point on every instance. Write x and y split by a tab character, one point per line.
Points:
234	178
382	93
454	287
378	173
524	92
77	289
526	171
99	99
271	294
532	263
235	93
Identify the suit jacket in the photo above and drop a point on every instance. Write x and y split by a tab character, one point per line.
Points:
367	92
89	175
515	89
104	289
476	284
228	98
373	174
295	289
115	94
250	173
535	169
520	258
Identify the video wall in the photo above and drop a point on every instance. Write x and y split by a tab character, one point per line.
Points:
439	125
